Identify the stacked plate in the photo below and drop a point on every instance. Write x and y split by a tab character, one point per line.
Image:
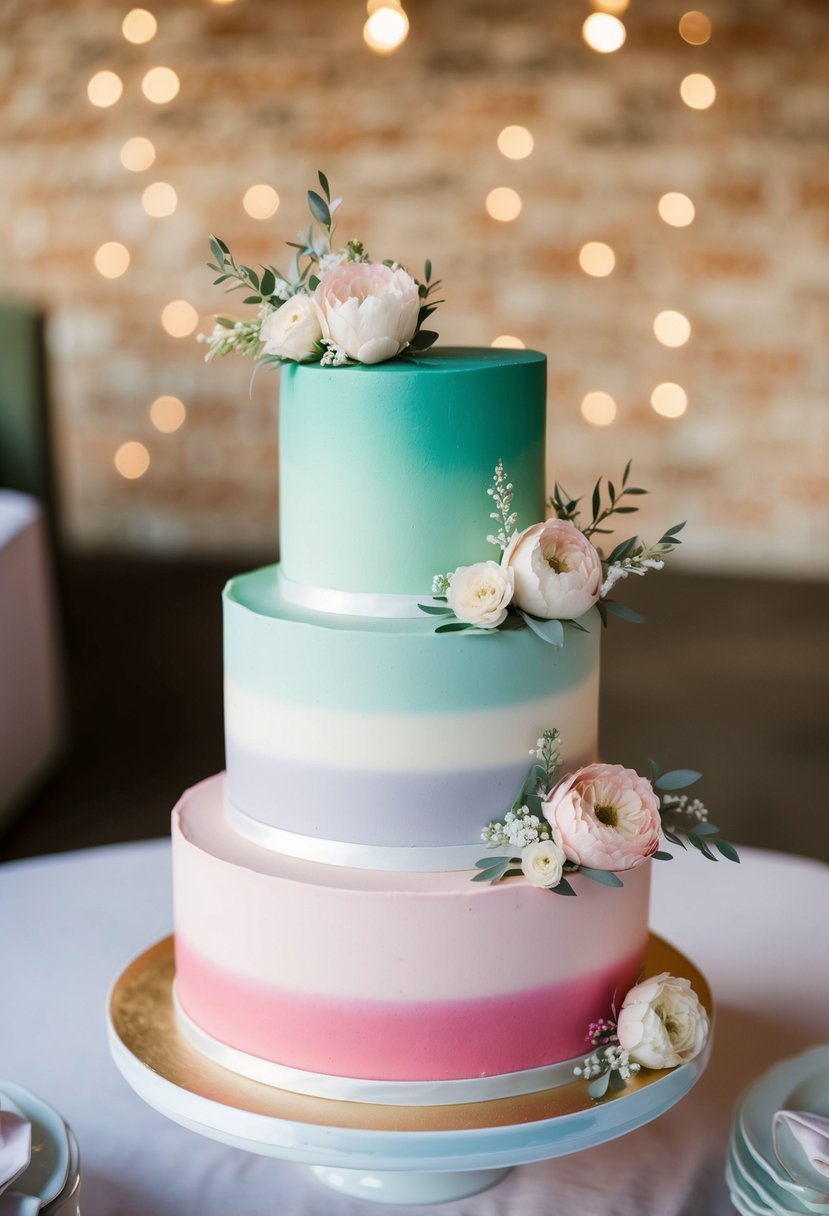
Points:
50	1185
767	1171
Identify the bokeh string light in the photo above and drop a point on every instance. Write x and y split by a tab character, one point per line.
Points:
508	342
598	408
670	400
132	460
179	319
698	91
516	143
695	28
603	33
104	89
139	26
167	414
672	328
112	259
597	259
676	209
504	204
137	154
160	85
260	201
159	200
386	28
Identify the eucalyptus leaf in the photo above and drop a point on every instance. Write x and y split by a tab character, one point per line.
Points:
617	1081
598	1088
423	339
252	300
727	850
622	550
268	283
626	473
703	829
251	276
625	510
575	625
597	498
326	189
701	847
319	209
454	627
435	610
623	612
427	270
563	888
488	863
673	838
549	631
636	490
660	856
653	769
677	779
606	877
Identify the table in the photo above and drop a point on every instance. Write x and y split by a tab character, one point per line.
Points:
68	925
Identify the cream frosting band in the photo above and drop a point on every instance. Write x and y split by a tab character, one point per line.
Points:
384	1093
352	603
436	858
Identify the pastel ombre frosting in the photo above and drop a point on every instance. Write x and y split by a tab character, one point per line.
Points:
378	732
383	470
359	973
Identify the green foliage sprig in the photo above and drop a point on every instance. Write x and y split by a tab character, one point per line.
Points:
685	821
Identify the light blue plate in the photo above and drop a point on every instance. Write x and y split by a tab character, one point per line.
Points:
758	1183
741	1195
755	1112
48	1171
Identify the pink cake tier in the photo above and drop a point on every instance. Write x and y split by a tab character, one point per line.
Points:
323	978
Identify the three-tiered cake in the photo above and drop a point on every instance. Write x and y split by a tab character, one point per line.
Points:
329	938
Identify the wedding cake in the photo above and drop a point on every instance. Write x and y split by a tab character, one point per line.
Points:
368	904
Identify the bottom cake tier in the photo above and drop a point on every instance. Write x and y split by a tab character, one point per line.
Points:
309	975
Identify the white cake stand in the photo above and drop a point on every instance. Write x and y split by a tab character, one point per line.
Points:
388	1154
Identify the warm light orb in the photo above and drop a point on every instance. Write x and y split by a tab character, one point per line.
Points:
386	29
160	85
508	342
597	259
159	200
179	319
139	26
104	89
137	154
603	33
695	28
260	202
599	409
669	400
672	328
676	209
504	204
617	7
698	91
132	460
112	259
515	143
167	414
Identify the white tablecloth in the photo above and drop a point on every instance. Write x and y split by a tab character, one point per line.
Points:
69	924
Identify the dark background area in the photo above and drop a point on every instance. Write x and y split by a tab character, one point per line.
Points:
728	676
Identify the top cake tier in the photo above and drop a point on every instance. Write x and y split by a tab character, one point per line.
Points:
384	469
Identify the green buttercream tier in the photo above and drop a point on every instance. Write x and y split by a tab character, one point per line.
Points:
384	469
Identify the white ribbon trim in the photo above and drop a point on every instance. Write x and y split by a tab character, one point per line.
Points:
351	603
383	1093
421	859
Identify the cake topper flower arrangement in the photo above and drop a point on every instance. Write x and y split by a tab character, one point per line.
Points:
333	305
550	573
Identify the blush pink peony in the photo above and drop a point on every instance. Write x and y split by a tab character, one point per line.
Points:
607	817
558	573
369	310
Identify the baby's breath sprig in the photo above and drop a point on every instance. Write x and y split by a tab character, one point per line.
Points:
501	492
547	752
685	820
609	1068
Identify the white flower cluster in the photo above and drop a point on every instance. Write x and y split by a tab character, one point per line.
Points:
501	494
334	355
692	807
441	583
241	337
611	1059
519	828
548	755
639	564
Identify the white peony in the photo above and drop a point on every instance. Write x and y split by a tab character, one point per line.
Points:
543	863
558	573
662	1023
368	310
293	330
479	594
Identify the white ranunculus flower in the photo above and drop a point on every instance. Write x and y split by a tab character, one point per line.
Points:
543	863
558	573
293	330
369	310
662	1023
479	594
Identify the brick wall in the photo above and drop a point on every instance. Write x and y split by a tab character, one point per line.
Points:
271	90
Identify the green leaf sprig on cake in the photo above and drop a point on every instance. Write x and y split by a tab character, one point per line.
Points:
333	306
549	574
599	821
661	1024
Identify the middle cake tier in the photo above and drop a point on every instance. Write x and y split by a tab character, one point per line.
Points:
378	742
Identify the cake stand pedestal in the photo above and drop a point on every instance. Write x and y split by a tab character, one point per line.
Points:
388	1154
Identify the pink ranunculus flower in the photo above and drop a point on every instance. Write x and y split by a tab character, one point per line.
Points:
558	573
662	1022
607	817
292	331
369	310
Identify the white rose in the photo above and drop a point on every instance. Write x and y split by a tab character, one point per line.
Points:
479	594
558	573
543	863
662	1023
370	311
293	330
